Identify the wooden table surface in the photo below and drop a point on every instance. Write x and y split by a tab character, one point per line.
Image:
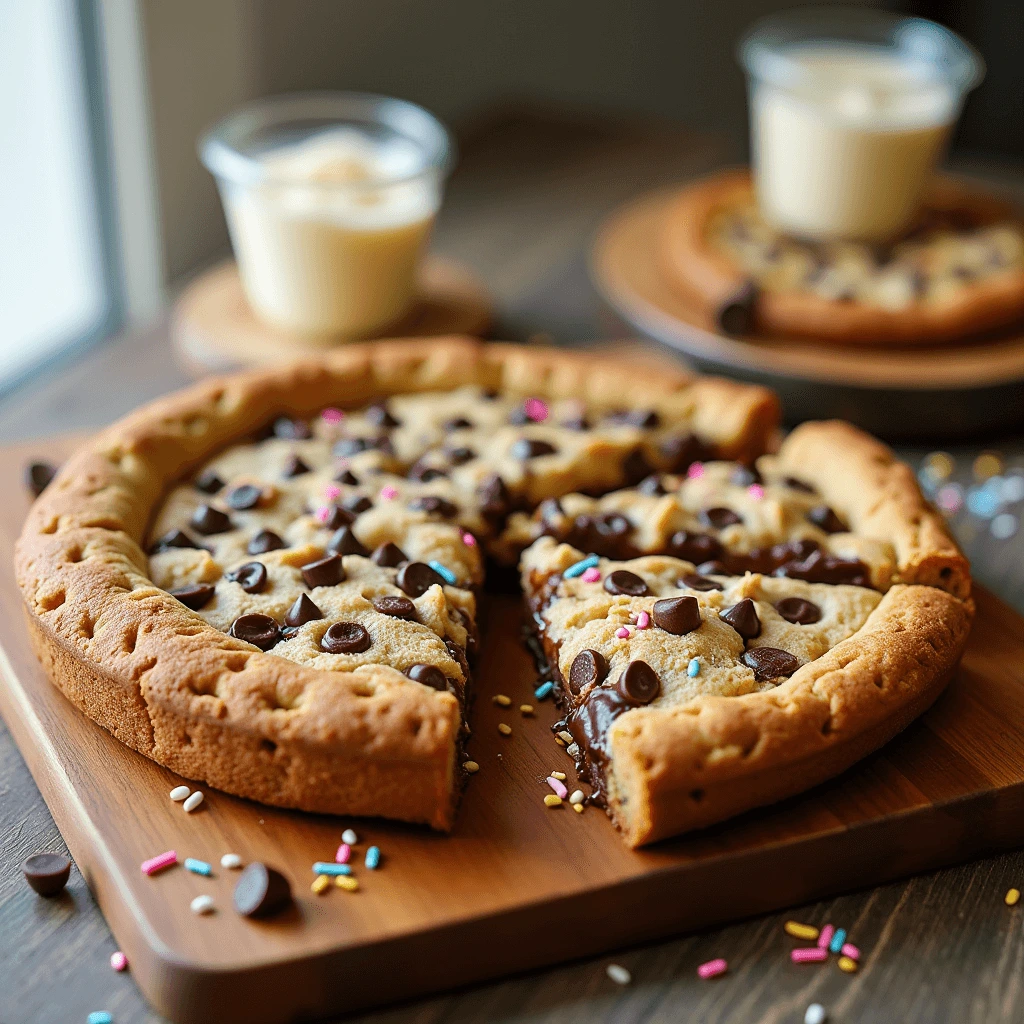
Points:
943	947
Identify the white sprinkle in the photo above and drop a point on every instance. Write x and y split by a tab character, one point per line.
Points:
179	793
618	974
815	1014
231	861
577	797
193	801
348	836
202	904
573	751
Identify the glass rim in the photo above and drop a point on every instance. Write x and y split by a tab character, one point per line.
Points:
761	49
219	149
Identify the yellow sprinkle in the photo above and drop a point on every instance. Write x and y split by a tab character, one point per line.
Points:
566	736
801	931
320	884
987	464
578	808
553	800
558	775
500	698
471	767
577	797
560	741
846	964
1012	897
505	730
526	709
346	882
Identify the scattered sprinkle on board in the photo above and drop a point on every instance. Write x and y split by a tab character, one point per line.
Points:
118	961
349	836
347	883
801	931
501	699
505	730
202	904
1012	897
815	1014
847	964
809	955
372	858
320	884
471	766
180	793
712	969
552	800
193	801
618	974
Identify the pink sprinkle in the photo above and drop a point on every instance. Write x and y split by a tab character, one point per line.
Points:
155	864
469	540
591	575
332	491
808	955
850	950
323	513
696	471
332	415
118	961
712	968
389	493
535	410
343	854
622	633
756	491
558	787
825	936
643	620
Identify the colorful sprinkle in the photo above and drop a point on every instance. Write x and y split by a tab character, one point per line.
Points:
838	940
180	793
348	884
231	861
444	572
469	540
198	867
501	699
808	955
558	787
558	775
696	471
643	620
712	969
526	709
118	961
1011	898
544	691
155	864
332	491
580	567
622	633
320	884
846	964
372	858
592	575
825	936
471	766
322	867
565	736
193	802
577	797
332	416
850	950
99	1017
693	669
536	410
349	836
618	974
756	491
388	493
343	853
553	800
323	513
505	730
578	808
801	931
815	1014
202	904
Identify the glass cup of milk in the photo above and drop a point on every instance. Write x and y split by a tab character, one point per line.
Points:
330	199
850	112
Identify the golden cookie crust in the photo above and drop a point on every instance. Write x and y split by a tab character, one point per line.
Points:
214	708
711	278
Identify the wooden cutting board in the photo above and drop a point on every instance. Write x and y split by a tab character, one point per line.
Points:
516	885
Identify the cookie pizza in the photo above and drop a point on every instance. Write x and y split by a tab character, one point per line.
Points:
269	582
958	272
726	639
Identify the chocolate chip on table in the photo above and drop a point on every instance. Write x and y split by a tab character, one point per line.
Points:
696	582
460	455
744	476
261	891
346	638
208	520
639	683
588	669
346	476
396	606
324	572
345	542
259	630
677	615
770	662
208	482
825	519
742	616
47	873
251	577
719	518
379	416
429	675
416	578
798	611
194	595
264	541
531	448
494	497
622	581
357	504
291	430
294	466
302	611
652	486
736	315
458	423
433	505
244	497
388	555
172	539
337	517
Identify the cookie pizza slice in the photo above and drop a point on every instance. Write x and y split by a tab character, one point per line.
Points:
698	687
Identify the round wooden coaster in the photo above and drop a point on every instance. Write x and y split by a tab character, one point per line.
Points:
943	391
214	329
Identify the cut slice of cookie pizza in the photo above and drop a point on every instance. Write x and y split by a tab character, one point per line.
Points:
795	624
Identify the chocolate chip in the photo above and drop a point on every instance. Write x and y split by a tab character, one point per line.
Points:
291	430
287	632
531	448
172	539
433	505
324	572
47	873
395	606
346	638
208	520
742	616
458	423
744	476
713	568
798	485
458	656
818	567
244	497
677	615
415	578
719	518
646	419
302	611
460	455
825	519
639	683
261	891
345	542
736	315
695	582
251	577
337	517
588	669
694	547
423	473
294	466
635	466
388	555
612	525
194	596
799	611
429	675
622	581
346	476
259	630
264	541
357	504
494	497
770	662
681	451
208	482
652	486
379	416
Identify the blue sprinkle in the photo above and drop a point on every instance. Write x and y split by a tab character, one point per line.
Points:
693	669
373	857
99	1017
197	867
581	567
326	868
543	691
444	572
838	939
